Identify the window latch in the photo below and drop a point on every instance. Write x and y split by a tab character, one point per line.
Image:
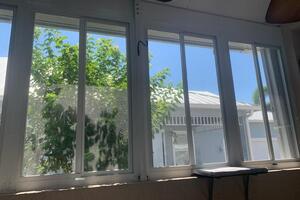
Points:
140	42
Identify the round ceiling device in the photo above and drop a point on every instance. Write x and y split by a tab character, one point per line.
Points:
283	11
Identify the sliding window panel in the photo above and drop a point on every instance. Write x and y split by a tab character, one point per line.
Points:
168	122
52	104
6	17
248	102
106	145
277	103
204	99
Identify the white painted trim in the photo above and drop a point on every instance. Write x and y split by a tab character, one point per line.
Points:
18	86
263	101
8	70
230	114
188	117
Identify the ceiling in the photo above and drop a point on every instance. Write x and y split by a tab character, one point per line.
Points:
253	10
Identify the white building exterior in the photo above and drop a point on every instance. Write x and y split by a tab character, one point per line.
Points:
170	146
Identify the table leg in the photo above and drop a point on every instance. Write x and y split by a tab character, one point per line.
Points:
246	186
210	188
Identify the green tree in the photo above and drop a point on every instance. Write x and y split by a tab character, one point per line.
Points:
256	97
52	113
164	98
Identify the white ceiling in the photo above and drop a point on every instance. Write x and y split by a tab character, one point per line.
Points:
253	10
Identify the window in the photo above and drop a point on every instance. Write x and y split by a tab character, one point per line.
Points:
77	115
5	34
277	107
52	106
204	100
263	110
106	99
251	121
266	133
170	135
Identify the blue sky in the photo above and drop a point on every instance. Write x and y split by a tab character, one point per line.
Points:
5	29
73	38
244	75
201	69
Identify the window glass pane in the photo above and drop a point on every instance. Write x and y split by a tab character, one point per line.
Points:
52	105
204	98
275	97
248	102
169	135
106	99
5	33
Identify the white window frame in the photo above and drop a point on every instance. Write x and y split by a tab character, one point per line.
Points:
8	70
249	33
81	98
184	170
221	98
80	176
271	162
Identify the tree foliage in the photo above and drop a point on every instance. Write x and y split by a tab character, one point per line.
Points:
256	97
52	111
164	98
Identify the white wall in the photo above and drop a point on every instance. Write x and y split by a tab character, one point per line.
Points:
121	10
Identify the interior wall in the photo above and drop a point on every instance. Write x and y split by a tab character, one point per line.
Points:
187	21
274	185
296	38
121	10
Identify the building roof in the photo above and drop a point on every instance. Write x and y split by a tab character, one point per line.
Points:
204	99
210	100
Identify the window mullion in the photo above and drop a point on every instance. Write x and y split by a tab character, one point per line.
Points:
79	159
186	102
17	86
228	103
263	104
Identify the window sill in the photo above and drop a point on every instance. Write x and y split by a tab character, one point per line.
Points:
277	165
